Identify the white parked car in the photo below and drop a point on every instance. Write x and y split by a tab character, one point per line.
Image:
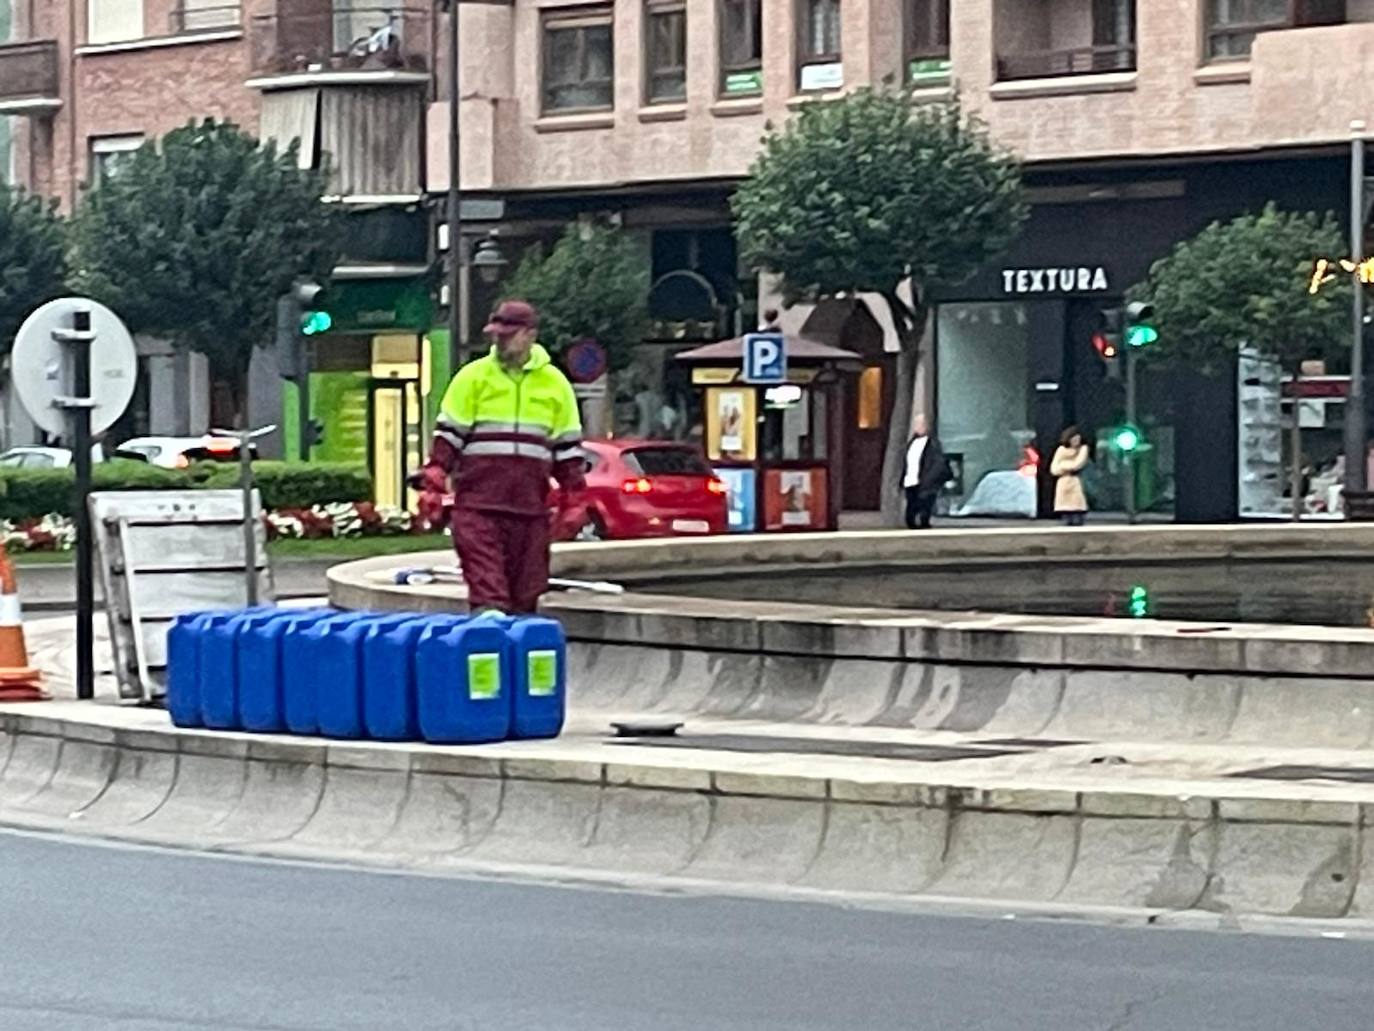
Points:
37	457
179	452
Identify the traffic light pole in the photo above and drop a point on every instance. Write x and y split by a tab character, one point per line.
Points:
1356	478
1128	457
457	327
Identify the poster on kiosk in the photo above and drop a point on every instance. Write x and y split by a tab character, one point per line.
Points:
794	499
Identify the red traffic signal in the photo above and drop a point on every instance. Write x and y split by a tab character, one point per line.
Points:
1104	346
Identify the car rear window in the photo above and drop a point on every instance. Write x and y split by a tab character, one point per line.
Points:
667	461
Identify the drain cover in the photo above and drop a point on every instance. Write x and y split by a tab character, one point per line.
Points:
821	746
646	728
1345	774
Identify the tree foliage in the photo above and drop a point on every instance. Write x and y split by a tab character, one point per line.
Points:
864	193
594	284
196	237
1245	283
33	258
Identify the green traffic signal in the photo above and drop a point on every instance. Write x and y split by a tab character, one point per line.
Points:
1126	439
1141	335
1139	603
314	323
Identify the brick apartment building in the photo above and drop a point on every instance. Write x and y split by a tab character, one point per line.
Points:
1139	120
83	82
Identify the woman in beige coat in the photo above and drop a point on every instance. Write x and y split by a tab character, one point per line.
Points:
1069	459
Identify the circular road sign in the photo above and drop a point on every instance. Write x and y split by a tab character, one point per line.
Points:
586	361
39	363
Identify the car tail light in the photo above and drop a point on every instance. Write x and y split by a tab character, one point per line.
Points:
717	487
639	486
183	462
220	447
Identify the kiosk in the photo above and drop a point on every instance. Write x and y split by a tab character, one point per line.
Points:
777	447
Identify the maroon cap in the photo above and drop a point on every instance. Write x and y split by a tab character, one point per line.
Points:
511	317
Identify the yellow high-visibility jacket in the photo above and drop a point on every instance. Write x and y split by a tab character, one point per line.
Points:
501	435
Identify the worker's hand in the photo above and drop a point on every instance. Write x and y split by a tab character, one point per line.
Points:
434	509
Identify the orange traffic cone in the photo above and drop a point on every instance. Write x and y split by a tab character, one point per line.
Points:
19	682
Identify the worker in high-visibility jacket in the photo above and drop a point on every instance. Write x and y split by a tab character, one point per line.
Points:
507	424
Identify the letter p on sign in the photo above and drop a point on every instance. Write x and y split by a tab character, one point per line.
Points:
765	358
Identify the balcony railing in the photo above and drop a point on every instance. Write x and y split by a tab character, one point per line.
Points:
313	37
191	17
28	74
1049	64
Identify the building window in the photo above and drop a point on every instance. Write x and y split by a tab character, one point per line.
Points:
665	30
741	47
820	66
1232	25
927	41
114	21
204	16
109	154
579	70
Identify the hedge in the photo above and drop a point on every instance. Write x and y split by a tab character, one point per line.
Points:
32	493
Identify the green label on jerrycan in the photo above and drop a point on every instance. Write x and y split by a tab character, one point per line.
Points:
543	673
484	677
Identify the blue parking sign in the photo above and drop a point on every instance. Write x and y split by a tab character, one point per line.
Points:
765	358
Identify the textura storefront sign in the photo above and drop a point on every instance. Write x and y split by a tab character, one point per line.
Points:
1079	279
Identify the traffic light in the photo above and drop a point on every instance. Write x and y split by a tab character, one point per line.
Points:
1127	439
1138	602
296	318
1107	338
1140	330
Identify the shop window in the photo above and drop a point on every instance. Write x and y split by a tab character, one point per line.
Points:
665	28
985	402
579	66
870	413
927	41
819	52
741	47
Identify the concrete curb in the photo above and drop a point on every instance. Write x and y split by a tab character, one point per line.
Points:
455	810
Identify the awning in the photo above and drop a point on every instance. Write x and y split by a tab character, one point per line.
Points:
799	349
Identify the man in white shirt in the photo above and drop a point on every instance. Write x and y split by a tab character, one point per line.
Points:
924	473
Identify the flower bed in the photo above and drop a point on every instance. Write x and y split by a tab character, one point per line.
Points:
342	519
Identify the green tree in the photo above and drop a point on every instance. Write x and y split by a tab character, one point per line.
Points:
594	284
197	236
865	193
33	258
1246	284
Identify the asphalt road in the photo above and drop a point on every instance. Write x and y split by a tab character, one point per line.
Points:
144	940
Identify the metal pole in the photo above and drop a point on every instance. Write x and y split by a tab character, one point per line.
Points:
1356	479
304	428
457	329
250	536
81	440
1128	458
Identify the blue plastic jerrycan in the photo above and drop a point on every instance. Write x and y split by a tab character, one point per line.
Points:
339	669
183	665
389	701
462	682
261	702
218	674
301	676
539	680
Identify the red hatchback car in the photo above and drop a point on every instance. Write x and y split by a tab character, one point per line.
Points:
644	488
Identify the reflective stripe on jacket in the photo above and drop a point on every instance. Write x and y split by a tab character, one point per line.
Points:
501	435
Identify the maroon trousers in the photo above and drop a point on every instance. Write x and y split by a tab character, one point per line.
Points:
505	559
